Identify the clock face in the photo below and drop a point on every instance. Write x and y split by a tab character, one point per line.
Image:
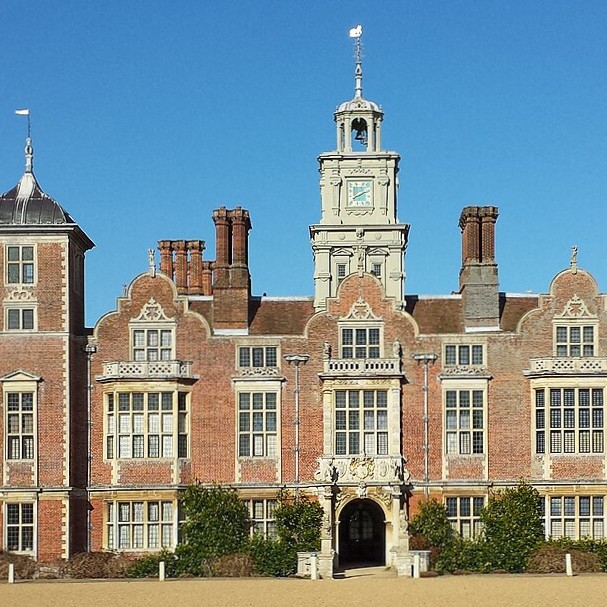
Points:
360	193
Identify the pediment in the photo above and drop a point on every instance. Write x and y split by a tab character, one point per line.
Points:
152	311
20	375
360	310
575	308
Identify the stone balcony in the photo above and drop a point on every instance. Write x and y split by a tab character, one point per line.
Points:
147	370
362	366
557	365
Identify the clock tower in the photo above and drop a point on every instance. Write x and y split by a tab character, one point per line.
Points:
358	230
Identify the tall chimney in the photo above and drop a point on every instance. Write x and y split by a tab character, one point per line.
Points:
195	248
166	257
231	279
478	278
181	266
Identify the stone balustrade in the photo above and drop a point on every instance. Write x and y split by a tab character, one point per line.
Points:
557	365
358	366
158	369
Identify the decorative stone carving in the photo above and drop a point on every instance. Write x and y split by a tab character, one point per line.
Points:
396	348
361	490
384	497
152	312
20	295
464	370
363	469
360	310
152	262
403	524
259	372
573	264
326	350
575	308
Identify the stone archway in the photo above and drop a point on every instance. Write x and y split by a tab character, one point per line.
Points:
362	534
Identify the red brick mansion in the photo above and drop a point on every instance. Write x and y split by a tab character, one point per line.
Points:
363	396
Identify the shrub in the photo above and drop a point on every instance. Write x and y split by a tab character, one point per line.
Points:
217	523
298	522
148	566
273	557
550	558
25	567
237	564
430	527
102	565
512	525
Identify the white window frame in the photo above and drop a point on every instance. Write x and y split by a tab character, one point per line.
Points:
20	309
354	347
569	418
575	516
141	525
20	264
462	424
263	521
143	352
567	347
360	429
148	429
25	439
21	527
464	355
257	434
258	356
464	514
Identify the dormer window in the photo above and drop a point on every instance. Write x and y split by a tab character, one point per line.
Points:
152	344
360	342
575	340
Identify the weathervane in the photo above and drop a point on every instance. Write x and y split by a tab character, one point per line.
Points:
29	150
357	32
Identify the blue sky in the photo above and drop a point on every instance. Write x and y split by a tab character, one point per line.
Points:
147	115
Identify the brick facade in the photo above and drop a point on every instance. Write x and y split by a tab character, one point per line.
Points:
387	399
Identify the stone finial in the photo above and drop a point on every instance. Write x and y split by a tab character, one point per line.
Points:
152	262
573	263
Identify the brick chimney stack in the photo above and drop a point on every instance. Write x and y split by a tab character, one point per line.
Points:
478	278
181	261
231	278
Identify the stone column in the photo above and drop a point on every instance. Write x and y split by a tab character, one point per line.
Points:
327	553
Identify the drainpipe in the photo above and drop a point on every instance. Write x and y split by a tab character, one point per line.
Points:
296	359
90	349
426	359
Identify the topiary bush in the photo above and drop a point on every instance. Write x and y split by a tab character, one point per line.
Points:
148	566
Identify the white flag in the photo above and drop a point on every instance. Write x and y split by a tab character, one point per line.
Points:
356	32
22	112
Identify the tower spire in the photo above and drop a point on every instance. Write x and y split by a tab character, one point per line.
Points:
357	32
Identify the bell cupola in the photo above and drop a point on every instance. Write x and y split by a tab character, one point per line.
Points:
358	230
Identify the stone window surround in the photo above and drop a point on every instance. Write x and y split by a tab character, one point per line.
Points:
112	540
587	518
464	513
264	386
149	326
20	383
21	262
147	388
365	325
577	323
21	526
21	307
263	523
561	383
470	385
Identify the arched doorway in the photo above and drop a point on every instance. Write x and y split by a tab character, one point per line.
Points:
362	534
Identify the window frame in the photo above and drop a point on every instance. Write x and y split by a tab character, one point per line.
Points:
260	442
269	353
143	415
588	347
265	525
566	425
21	310
113	524
25	439
464	355
147	329
371	348
350	430
20	264
21	526
570	519
466	422
465	520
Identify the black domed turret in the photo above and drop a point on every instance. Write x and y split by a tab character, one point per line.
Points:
27	204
